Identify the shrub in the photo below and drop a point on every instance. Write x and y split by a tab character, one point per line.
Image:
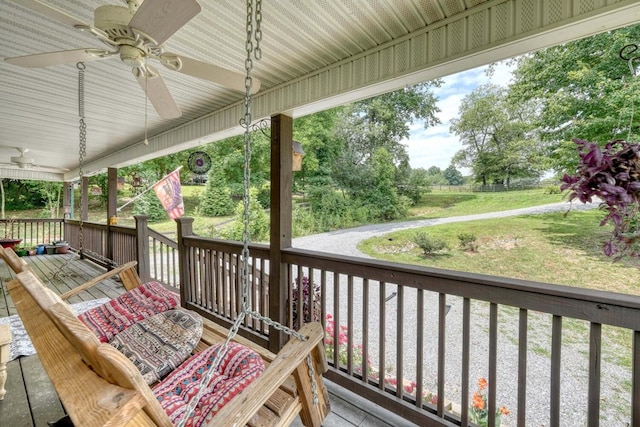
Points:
216	200
258	222
148	204
429	245
552	189
468	242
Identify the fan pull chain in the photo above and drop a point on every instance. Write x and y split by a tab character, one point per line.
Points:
146	101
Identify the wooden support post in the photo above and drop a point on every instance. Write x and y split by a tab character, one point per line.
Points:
112	206
84	198
142	247
112	193
67	192
280	219
185	228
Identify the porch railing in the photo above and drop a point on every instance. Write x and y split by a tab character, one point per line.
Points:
109	245
416	340
211	280
32	231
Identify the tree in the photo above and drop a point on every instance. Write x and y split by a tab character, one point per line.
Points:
382	197
580	90
453	175
216	200
419	183
498	137
317	135
51	192
380	122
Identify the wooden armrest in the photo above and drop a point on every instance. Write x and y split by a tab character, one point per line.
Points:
242	408
98	279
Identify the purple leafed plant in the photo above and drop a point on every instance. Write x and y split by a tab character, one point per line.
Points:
612	175
302	293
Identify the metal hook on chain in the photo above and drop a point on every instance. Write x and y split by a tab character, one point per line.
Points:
628	53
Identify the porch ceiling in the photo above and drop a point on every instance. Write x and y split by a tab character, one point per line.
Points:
316	55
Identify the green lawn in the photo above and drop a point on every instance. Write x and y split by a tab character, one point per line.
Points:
441	204
548	248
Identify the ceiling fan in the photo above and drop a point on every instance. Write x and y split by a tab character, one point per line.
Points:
24	162
136	33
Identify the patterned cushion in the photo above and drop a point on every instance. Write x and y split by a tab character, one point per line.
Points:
159	344
113	317
238	368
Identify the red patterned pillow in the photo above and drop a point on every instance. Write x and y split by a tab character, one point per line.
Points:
107	320
238	368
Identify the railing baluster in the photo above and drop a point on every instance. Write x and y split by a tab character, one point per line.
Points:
365	330
466	340
635	380
442	307
253	286
323	297
522	367
350	343
264	286
419	347
493	361
220	262
300	314
210	282
595	358
556	347
336	320
382	333
400	342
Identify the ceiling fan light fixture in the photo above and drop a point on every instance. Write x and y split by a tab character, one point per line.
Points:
132	56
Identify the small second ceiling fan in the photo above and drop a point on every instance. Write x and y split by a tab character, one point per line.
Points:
25	162
136	33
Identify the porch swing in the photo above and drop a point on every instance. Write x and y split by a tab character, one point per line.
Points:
98	385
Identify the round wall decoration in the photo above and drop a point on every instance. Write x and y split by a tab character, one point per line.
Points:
199	162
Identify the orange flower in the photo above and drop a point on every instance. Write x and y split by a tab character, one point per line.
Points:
504	411
482	383
478	401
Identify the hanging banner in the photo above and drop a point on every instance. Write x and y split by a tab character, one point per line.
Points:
170	194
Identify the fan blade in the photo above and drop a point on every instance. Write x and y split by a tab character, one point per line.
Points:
157	92
159	19
210	72
50	11
58	58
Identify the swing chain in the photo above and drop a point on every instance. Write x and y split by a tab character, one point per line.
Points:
83	152
245	122
83	142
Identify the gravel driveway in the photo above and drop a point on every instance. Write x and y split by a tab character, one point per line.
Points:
615	397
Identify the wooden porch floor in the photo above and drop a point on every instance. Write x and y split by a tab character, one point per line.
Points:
32	401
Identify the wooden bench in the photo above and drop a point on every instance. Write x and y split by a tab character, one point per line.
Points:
99	386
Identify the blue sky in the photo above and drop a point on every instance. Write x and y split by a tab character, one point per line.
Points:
436	145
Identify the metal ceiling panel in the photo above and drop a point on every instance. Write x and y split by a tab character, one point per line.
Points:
316	54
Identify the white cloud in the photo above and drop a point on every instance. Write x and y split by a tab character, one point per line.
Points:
436	145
